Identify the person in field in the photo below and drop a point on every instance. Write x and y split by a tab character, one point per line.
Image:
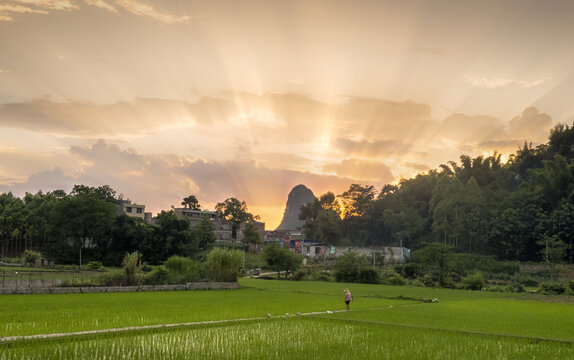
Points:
348	298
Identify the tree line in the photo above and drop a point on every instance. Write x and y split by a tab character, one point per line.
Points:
61	226
516	210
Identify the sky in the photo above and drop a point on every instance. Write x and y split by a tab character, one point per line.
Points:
249	98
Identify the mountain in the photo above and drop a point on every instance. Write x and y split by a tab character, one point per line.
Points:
300	195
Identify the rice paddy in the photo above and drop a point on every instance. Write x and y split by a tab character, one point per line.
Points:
385	322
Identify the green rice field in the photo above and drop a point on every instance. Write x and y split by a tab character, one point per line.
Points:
307	321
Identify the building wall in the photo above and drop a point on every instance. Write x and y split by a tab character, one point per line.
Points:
130	209
223	228
386	255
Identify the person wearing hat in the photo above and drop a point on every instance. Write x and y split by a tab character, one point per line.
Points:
348	298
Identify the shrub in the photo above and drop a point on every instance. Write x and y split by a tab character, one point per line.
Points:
553	288
146	268
417	282
310	275
428	280
411	270
347	267
29	257
159	276
223	264
390	277
131	263
113	279
94	265
393	280
515	287
178	264
473	282
368	276
183	270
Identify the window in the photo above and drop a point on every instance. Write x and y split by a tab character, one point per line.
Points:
129	209
139	210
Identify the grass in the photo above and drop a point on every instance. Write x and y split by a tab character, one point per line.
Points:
386	322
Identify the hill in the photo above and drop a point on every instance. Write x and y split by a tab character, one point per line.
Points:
300	195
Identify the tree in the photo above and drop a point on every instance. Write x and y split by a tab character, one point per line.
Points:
328	227
435	257
357	200
191	202
328	208
204	233
104	192
281	259
176	233
553	251
348	267
250	235
129	234
82	221
235	211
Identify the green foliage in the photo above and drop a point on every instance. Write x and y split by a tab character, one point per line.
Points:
348	267
310	274
281	259
131	264
436	260
95	265
368	276
223	264
553	252
235	211
255	260
183	270
552	288
390	277
158	276
29	257
250	235
474	282
191	202
204	233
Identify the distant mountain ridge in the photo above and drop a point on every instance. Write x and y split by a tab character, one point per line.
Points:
300	195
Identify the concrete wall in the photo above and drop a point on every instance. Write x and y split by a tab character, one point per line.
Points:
106	289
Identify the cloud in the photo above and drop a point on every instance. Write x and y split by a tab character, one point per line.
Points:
530	124
141	9
101	4
384	119
416	166
19	164
89	119
363	170
492	83
8	10
465	129
46	7
431	51
377	148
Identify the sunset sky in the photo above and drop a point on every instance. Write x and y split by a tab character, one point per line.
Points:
249	98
